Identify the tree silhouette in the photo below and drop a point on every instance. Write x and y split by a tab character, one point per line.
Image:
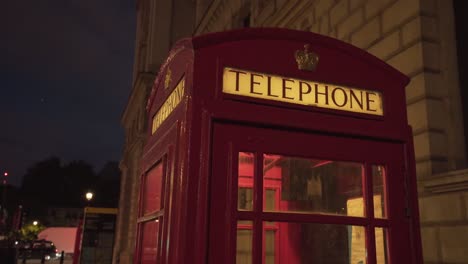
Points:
108	186
49	183
40	179
78	178
39	186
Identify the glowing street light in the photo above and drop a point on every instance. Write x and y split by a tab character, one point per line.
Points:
89	196
35	223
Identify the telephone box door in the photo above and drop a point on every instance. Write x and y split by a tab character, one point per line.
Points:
282	196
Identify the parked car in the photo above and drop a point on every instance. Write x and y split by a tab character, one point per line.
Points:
37	249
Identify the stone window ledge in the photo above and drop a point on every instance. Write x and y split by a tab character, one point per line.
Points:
448	182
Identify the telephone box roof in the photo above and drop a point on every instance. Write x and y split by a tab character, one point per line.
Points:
275	34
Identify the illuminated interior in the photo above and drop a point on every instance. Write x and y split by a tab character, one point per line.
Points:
302	188
151	214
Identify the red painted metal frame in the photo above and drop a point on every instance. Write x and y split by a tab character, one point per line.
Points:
163	151
78	238
368	151
163	160
272	184
189	129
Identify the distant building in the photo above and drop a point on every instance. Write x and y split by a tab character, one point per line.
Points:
62	237
63	217
424	39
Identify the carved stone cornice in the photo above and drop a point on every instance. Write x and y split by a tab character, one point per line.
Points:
138	96
452	181
137	141
287	14
210	17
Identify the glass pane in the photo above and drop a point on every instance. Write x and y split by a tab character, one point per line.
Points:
298	243
270	246
245	181
245	199
378	180
357	245
149	242
315	186
270	199
244	243
381	245
152	189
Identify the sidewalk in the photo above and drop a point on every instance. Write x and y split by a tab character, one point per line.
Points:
38	261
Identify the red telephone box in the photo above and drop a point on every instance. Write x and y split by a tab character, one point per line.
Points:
277	146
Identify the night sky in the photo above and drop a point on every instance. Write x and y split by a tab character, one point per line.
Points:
66	73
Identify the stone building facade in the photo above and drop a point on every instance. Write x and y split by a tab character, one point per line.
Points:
417	37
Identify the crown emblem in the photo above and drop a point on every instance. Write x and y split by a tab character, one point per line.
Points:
306	60
168	79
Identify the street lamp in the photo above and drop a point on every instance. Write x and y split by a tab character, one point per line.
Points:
35	223
89	196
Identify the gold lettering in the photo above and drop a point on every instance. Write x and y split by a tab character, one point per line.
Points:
369	101
296	91
334	97
169	105
180	90
301	92
269	87
287	88
353	95
253	82
317	93
237	77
